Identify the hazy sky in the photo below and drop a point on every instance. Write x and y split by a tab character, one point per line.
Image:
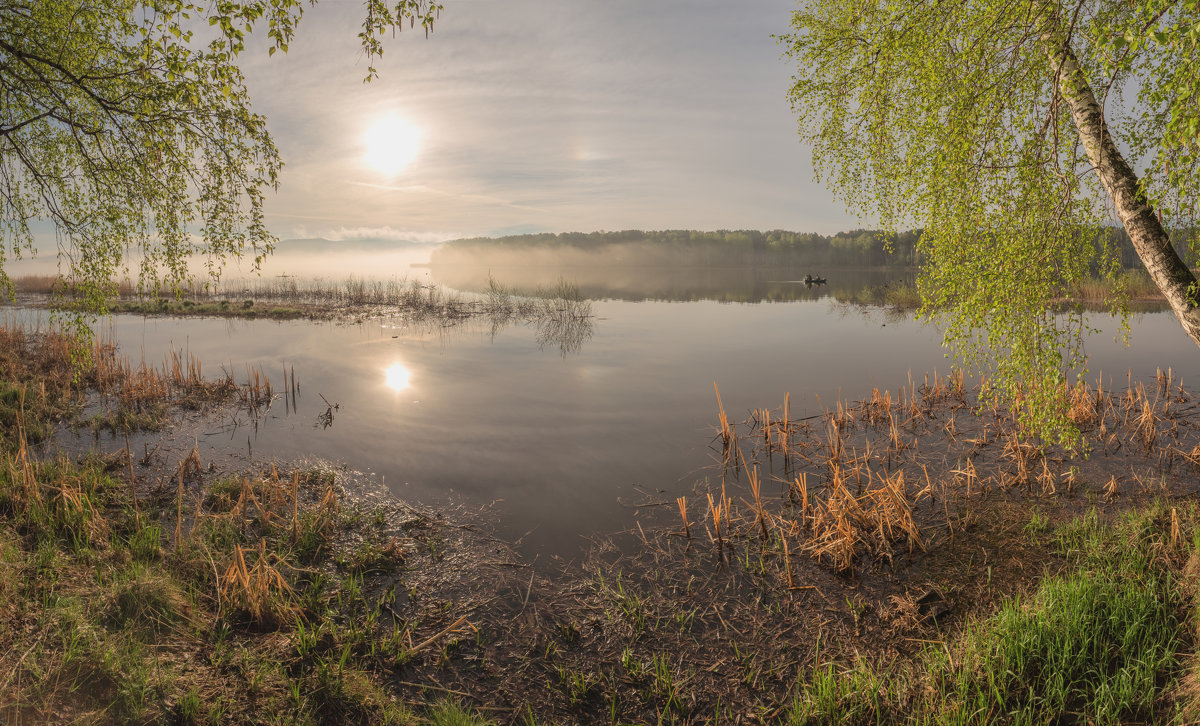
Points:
540	115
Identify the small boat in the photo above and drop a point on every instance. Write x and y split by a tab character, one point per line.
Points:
810	280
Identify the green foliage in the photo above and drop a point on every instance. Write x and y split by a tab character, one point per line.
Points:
127	125
1100	644
950	116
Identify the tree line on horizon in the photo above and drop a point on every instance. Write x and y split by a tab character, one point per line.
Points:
720	248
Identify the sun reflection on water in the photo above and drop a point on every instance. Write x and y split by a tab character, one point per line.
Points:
397	377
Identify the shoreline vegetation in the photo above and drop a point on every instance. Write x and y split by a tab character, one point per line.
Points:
909	558
483	295
561	316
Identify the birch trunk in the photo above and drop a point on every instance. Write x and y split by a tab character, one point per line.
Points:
1151	241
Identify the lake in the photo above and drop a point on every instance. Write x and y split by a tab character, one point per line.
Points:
560	441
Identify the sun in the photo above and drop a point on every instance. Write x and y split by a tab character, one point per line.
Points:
397	377
391	144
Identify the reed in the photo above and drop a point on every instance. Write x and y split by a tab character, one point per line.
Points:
179	513
787	558
1071	478
190	465
1164	379
715	511
1111	489
330	506
1086	405
800	484
895	443
865	506
878	408
894	511
1145	426
951	429
760	514
1021	454
728	434
1047	480
834	536
835	442
787	416
687	530
295	505
256	589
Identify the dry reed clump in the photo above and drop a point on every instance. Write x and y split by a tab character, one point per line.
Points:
726	433
842	526
255	588
878	408
899	471
33	355
48	500
58	370
687	526
1087	405
1024	456
1145	419
252	529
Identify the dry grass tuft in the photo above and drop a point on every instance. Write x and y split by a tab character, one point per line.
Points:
256	589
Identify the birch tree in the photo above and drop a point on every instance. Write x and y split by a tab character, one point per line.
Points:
1013	131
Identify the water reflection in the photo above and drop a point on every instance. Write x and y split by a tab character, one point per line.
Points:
678	284
565	327
397	377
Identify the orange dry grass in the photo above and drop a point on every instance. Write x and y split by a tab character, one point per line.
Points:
878	408
256	589
727	433
687	530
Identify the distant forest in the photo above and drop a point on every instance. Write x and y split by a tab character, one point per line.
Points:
723	248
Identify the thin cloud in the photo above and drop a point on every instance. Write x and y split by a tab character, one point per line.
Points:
548	115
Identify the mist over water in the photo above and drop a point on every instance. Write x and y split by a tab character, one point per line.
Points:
317	259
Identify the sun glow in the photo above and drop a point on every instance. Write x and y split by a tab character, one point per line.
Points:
397	377
391	144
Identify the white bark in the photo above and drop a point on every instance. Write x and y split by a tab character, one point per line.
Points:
1150	240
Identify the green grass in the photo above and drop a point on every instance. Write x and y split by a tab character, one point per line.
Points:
1101	643
450	713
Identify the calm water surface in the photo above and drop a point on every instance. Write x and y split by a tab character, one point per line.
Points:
561	443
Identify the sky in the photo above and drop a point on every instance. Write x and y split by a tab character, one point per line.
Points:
540	116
